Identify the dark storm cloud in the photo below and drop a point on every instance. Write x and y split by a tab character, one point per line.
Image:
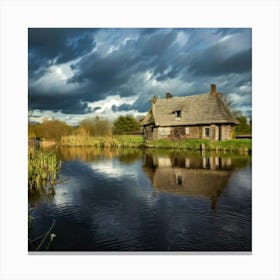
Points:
211	63
57	102
112	73
48	46
123	107
136	62
138	105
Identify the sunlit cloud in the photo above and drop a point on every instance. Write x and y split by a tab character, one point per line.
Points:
77	73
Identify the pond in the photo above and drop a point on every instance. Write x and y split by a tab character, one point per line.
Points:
147	200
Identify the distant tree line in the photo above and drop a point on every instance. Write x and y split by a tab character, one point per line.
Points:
93	126
97	126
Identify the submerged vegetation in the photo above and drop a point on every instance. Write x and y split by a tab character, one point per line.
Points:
43	170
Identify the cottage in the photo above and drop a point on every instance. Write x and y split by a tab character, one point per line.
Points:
201	116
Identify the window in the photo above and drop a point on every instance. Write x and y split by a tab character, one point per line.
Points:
178	114
187	130
206	131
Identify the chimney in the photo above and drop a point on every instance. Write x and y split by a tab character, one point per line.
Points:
213	90
168	95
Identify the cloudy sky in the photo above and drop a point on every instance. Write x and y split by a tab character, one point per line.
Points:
74	73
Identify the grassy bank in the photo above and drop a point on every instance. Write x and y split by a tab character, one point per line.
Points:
103	141
43	170
237	145
240	145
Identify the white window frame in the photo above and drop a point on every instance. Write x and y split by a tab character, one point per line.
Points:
187	130
204	131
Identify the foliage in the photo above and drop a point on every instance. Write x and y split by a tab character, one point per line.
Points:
130	140
102	141
193	144
243	127
49	129
95	127
43	169
125	125
241	145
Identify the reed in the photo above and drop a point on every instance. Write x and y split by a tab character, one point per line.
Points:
102	141
43	169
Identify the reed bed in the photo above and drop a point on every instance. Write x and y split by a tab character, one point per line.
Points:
102	141
43	170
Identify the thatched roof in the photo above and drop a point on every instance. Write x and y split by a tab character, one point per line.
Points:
195	109
148	118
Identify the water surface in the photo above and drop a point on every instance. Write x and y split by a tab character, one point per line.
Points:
147	200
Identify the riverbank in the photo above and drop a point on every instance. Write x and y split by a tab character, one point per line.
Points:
236	145
136	141
117	141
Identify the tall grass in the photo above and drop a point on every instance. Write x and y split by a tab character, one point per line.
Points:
192	144
43	169
239	145
102	141
135	141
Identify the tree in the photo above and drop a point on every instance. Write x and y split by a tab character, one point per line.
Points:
125	125
243	127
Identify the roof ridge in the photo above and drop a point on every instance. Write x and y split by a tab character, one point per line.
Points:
186	96
226	111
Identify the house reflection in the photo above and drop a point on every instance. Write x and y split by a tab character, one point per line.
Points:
199	176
